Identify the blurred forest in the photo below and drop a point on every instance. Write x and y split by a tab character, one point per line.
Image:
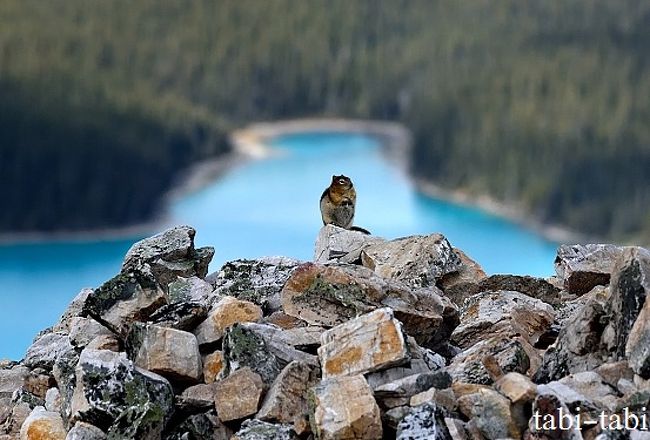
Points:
545	105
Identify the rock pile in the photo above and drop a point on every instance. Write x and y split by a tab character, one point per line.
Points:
405	339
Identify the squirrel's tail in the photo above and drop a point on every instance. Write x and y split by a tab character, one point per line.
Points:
359	229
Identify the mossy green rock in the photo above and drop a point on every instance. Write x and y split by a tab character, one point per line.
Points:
243	348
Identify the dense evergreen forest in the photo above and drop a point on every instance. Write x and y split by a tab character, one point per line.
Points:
545	105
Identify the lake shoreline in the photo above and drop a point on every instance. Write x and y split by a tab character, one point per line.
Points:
252	143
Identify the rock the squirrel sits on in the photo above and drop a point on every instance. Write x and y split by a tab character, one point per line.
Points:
337	204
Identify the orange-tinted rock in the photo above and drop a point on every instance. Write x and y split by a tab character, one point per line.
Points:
238	395
225	313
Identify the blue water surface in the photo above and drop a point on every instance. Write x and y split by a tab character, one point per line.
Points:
261	208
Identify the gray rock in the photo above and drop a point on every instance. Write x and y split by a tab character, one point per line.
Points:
85	431
166	351
403	389
112	392
287	399
508	354
502	313
74	309
66	379
189	290
84	330
170	254
181	316
46	350
259	430
368	343
125	299
53	400
424	422
342	245
344	408
388	375
491	413
417	261
463	283
582	267
17	414
630	287
197	397
258	281
42	424
534	287
12	378
242	347
202	426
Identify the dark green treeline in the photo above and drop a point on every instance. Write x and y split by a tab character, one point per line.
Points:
542	104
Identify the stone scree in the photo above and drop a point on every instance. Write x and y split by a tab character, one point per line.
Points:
405	339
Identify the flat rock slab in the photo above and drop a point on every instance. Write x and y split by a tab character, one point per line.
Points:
238	395
338	244
166	351
582	267
417	261
368	343
344	408
226	312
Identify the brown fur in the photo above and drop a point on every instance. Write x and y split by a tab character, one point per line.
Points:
338	202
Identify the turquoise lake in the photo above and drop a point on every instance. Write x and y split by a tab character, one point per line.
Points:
260	208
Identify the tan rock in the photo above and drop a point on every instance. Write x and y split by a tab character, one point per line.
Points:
444	398
345	409
43	425
225	313
213	366
287	400
169	352
491	413
463	283
368	343
238	395
516	387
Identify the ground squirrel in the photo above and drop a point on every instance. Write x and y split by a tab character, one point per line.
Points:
338	202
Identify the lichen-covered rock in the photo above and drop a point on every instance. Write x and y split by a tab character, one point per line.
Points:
505	353
169	352
111	391
502	313
281	344
424	422
630	287
225	313
242	347
170	254
491	413
11	378
417	261
331	295
189	290
202	426
286	400
125	299
342	245
368	343
238	395
213	366
344	408
181	316
258	281
582	267
84	330
42	424
85	431
259	430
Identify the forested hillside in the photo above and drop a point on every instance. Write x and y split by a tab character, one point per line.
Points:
542	104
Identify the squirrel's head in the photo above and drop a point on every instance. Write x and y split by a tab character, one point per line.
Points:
341	182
